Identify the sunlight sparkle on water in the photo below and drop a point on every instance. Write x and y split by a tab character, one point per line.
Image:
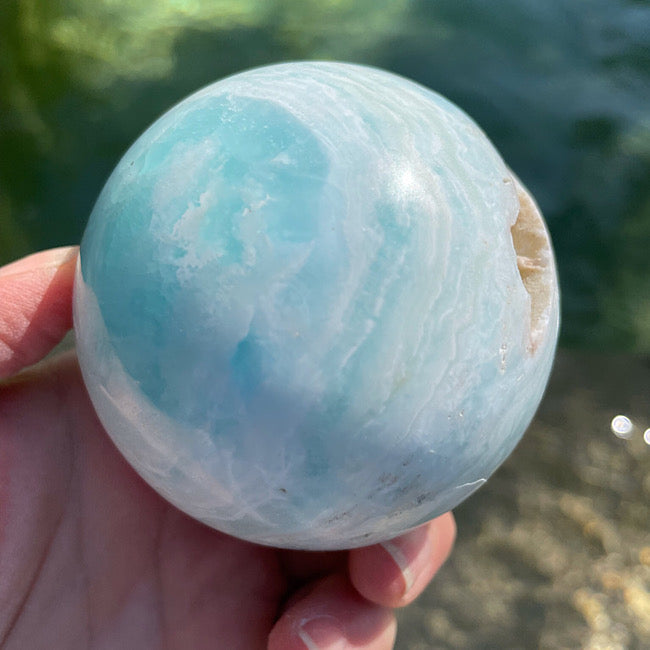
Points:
622	427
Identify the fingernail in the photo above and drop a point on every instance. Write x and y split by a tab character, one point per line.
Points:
393	549
52	258
322	633
408	552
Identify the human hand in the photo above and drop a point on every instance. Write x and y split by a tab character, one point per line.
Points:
92	557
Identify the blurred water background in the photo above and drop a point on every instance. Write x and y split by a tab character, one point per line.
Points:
554	552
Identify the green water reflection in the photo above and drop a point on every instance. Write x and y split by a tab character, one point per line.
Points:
562	90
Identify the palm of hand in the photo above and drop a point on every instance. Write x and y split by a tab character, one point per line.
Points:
91	557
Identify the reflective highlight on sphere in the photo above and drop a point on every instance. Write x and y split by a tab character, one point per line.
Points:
314	308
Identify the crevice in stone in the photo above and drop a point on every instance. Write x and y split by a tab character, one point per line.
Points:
532	245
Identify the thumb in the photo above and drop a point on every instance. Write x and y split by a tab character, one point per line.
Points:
35	306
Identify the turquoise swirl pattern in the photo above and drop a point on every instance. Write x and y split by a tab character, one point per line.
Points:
314	308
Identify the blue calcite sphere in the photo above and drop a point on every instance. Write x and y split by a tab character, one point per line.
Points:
314	308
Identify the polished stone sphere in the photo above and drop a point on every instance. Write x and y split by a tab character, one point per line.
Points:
314	308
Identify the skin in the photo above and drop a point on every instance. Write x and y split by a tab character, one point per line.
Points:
91	557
